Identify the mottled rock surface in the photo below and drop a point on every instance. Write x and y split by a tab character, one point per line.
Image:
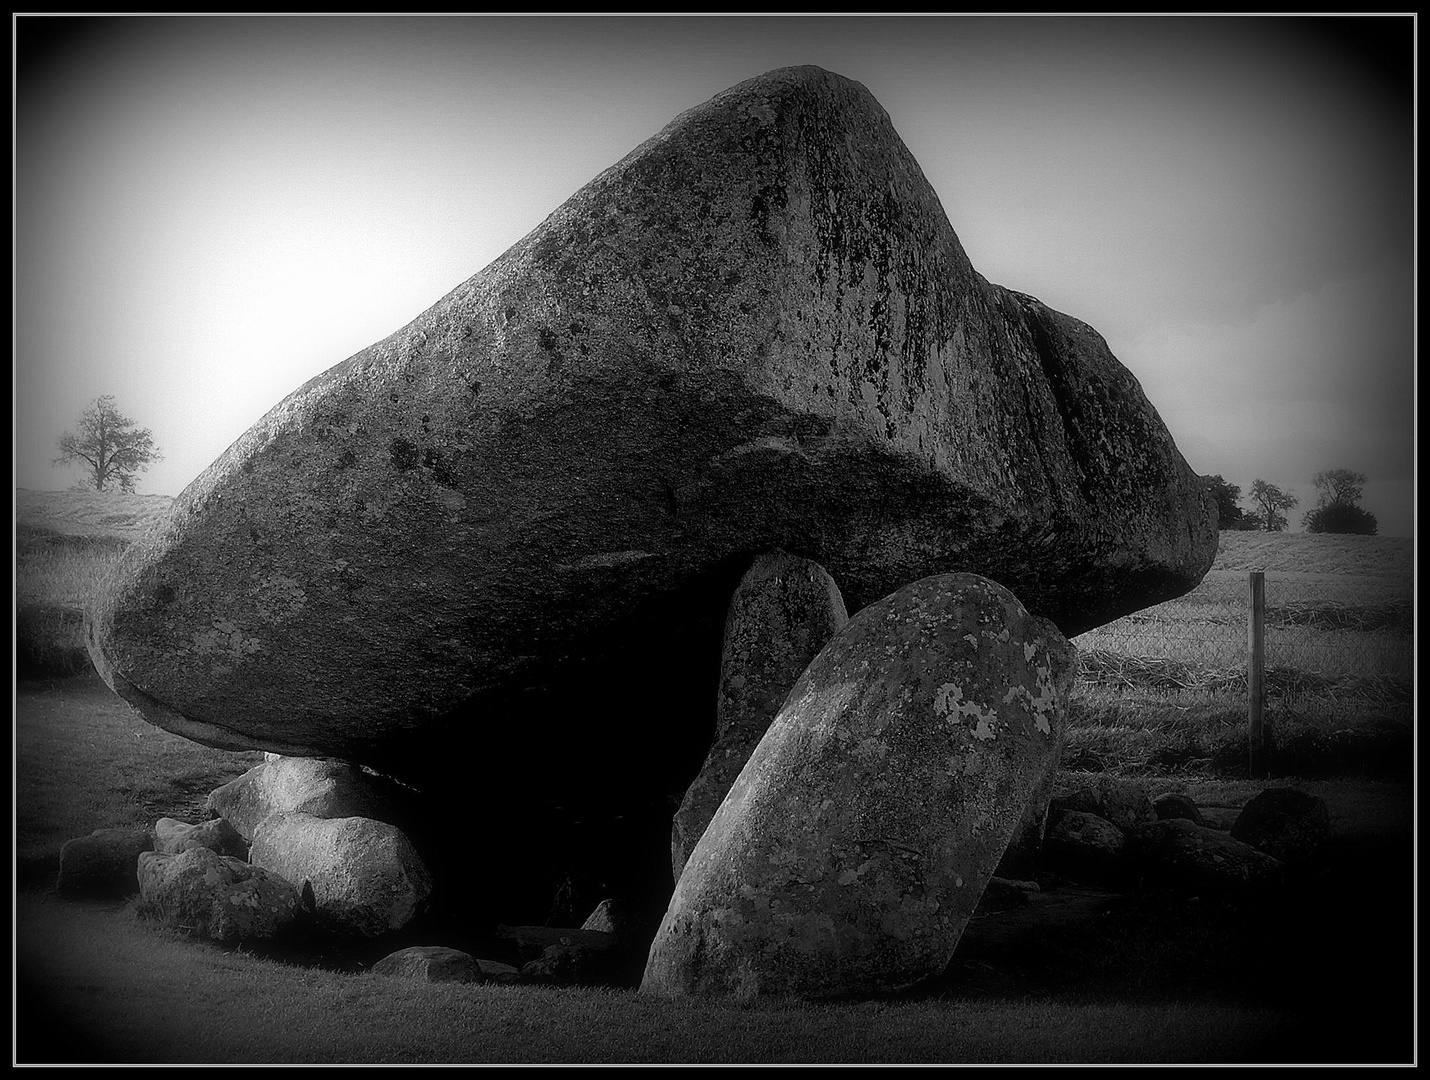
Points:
758	330
785	610
213	896
1124	802
856	842
1177	853
325	789
172	837
1287	824
1084	847
437	963
104	863
1176	805
365	876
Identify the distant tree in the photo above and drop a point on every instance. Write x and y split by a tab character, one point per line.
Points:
1340	518
1272	500
1337	510
1342	486
1228	514
110	446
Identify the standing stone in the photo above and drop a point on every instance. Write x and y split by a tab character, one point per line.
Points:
785	610
856	842
366	878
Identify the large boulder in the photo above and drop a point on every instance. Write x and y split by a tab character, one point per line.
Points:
856	842
325	789
785	610
213	896
364	877
758	330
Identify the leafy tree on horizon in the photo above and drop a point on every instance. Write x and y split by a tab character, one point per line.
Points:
111	447
1338	510
1272	501
1228	514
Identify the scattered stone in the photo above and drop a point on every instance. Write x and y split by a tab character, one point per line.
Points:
213	896
436	963
366	877
857	841
785	610
1084	847
1287	824
1176	805
533	941
102	864
171	837
1122	801
758	329
566	957
324	789
1178	854
615	918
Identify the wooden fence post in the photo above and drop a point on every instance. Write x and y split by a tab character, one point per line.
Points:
1256	658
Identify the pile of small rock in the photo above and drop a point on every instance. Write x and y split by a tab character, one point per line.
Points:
1108	831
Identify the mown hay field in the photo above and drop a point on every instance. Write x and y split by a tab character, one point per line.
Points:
1339	654
1335	605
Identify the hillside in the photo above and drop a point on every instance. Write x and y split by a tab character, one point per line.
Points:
1316	553
88	513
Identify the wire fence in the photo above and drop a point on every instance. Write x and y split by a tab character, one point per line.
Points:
1332	646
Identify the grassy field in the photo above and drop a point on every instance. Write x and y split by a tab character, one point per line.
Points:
170	1001
1165	689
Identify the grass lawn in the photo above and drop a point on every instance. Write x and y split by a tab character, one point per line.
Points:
94	985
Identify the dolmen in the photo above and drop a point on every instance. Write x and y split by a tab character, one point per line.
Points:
493	554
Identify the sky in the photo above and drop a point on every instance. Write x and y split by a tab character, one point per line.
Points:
209	211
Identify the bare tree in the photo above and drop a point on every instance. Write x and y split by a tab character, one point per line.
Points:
1272	501
109	444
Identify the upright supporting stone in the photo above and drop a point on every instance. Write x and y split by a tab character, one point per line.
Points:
855	844
783	612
